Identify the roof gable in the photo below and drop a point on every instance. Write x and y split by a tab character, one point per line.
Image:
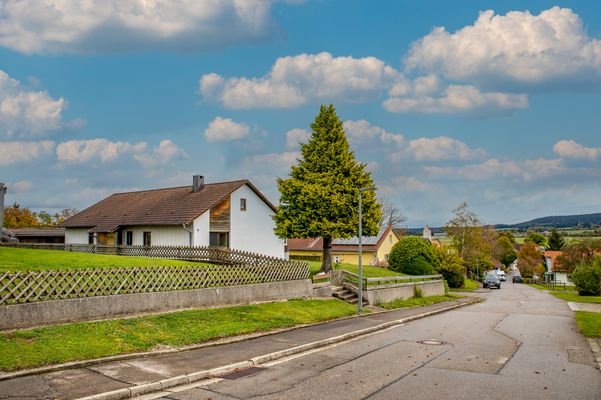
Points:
170	206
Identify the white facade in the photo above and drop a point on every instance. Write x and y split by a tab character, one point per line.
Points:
252	229
76	236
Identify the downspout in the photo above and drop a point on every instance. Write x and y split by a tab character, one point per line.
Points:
190	232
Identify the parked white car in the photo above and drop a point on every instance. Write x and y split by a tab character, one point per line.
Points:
501	275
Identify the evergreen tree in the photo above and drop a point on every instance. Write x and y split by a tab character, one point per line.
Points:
321	195
556	240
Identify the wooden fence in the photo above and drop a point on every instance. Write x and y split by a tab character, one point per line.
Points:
218	255
29	287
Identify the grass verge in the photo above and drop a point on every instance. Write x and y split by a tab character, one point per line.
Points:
589	323
419	301
57	344
13	259
569	295
368	271
469	285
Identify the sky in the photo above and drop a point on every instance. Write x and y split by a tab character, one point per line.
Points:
495	103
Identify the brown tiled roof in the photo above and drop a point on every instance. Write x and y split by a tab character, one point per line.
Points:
369	243
170	206
46	232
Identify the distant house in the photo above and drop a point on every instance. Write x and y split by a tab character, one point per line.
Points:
554	271
228	214
38	235
375	249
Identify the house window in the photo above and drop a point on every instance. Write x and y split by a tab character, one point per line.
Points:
129	238
242	204
336	259
147	239
90	238
119	238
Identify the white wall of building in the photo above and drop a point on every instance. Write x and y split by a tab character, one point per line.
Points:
252	230
76	235
201	230
172	235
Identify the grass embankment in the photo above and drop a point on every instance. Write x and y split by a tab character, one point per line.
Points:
589	323
89	340
469	285
419	301
368	271
13	259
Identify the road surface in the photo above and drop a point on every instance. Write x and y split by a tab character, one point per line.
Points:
520	343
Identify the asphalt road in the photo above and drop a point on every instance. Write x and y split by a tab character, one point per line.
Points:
519	344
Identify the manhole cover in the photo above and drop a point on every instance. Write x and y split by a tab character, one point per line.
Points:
431	342
242	373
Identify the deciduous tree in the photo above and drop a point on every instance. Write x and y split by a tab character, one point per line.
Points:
17	217
321	195
530	260
580	252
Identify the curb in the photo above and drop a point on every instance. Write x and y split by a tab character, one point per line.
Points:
138	390
596	349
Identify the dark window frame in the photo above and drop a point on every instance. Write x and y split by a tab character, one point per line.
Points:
242	204
147	238
129	238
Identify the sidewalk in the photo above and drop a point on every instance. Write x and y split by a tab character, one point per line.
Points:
151	373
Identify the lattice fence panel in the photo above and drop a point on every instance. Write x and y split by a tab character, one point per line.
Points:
28	287
219	255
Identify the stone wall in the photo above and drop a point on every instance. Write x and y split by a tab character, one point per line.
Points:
101	307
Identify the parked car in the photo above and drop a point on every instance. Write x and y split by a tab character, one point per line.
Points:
501	275
492	281
517	279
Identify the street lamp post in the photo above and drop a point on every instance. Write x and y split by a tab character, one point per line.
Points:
360	300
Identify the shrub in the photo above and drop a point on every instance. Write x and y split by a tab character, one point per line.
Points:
449	265
413	256
587	278
417	292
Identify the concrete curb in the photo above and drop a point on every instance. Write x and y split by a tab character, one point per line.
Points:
256	361
596	349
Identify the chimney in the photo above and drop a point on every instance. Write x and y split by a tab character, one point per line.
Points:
198	182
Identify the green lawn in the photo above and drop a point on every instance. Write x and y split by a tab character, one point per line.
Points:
589	323
13	259
368	271
89	340
419	301
469	285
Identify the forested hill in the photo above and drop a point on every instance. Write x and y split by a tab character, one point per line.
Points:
559	221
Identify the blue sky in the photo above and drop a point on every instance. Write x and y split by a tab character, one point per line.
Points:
494	103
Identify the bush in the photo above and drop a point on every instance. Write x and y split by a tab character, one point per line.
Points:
412	256
449	265
587	278
417	292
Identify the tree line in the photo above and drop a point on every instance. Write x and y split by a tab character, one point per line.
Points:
16	216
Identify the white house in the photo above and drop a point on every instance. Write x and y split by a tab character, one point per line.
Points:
230	214
555	272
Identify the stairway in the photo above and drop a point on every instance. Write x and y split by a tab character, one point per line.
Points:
345	294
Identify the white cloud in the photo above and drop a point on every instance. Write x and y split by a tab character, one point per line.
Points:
225	129
36	26
276	163
81	151
454	99
18	152
362	131
25	113
527	170
410	184
161	155
571	149
20	186
295	80
296	136
517	47
440	148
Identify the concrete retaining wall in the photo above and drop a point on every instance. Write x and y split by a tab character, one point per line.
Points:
60	311
403	291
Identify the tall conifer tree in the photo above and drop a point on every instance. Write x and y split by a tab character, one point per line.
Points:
320	198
